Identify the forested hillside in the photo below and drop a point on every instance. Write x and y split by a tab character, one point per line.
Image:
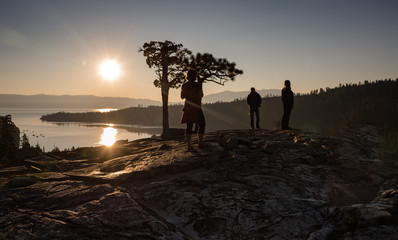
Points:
328	110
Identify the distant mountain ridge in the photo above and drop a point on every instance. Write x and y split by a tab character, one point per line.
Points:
92	102
71	101
229	96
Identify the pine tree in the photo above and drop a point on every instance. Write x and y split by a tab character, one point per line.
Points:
25	142
166	58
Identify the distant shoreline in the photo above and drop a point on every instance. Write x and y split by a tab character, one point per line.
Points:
71	101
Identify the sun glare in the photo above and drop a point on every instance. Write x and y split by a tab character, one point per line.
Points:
110	70
108	137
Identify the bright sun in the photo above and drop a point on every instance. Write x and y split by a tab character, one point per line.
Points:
110	70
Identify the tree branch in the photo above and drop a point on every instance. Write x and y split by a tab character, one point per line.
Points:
212	80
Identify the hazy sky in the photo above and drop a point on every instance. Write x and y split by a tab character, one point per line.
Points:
55	47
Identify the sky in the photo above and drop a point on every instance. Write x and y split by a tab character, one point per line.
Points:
56	47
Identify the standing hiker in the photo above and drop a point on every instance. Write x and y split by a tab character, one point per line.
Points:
254	101
192	110
288	104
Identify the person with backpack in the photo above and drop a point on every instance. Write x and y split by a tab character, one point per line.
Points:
192	110
254	102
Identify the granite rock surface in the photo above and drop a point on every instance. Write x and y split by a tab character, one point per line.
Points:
264	185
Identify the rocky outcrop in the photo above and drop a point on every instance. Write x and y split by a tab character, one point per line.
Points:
244	185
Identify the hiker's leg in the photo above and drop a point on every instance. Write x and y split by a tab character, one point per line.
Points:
188	134
202	126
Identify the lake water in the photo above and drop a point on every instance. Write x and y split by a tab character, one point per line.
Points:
67	135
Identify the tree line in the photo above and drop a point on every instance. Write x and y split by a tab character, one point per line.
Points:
325	111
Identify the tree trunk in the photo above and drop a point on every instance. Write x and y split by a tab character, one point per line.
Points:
165	103
165	94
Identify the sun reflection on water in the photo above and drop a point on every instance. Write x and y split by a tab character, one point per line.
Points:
106	110
108	137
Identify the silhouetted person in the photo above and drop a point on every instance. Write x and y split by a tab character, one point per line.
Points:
192	111
254	101
288	104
